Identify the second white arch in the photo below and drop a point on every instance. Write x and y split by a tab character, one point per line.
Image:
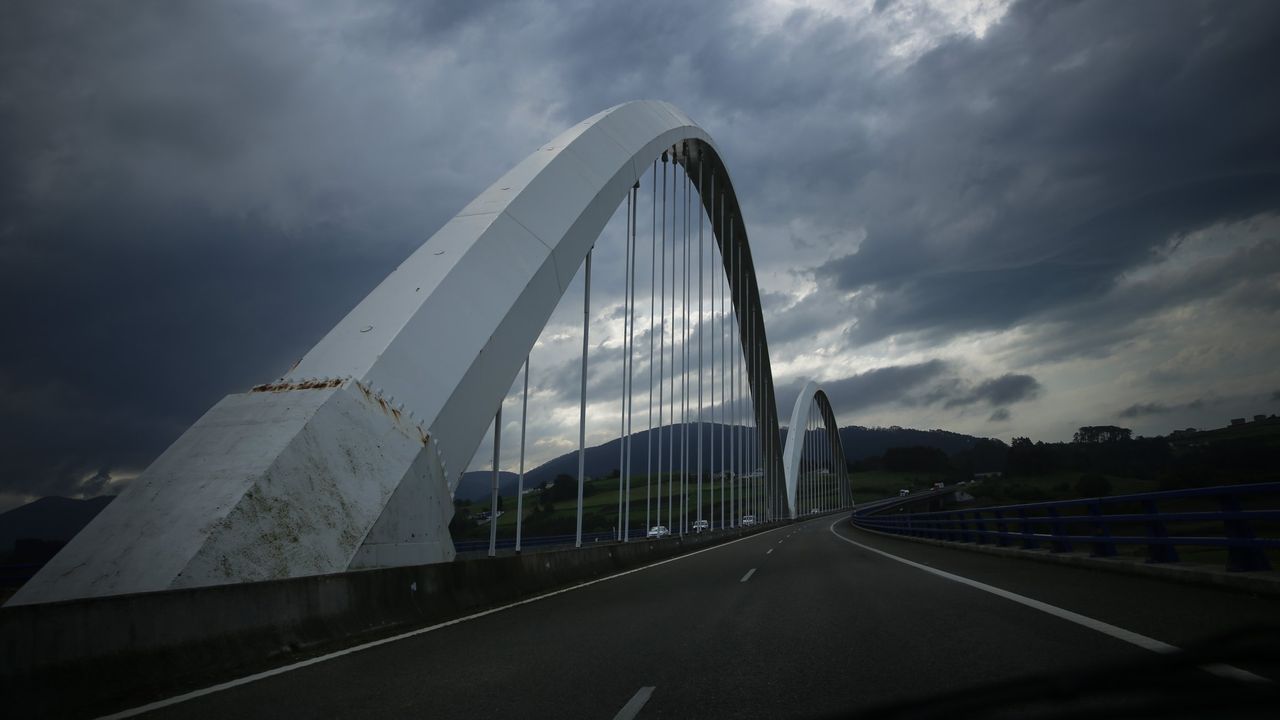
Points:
792	454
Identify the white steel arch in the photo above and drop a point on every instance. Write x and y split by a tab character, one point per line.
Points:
507	258
351	458
811	393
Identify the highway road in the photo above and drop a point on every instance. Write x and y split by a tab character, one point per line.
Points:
811	619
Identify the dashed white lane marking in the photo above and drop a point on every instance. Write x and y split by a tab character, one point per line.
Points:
131	712
637	701
769	551
747	577
1119	633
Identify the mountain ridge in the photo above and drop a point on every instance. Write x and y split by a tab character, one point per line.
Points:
860	443
59	519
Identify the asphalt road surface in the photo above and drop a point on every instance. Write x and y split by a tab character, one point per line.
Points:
792	622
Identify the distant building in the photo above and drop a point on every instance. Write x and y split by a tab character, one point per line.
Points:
1238	421
1259	418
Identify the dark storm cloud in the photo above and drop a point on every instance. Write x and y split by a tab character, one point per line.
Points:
883	385
1243	280
1000	415
799	320
1138	410
1008	178
868	389
119	343
1030	169
131	304
1143	409
1003	390
783	102
564	380
188	201
933	383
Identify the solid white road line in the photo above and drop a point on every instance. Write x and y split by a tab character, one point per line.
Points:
1119	633
637	701
131	712
747	577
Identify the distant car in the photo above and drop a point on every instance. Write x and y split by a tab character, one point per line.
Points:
658	531
748	520
904	492
700	525
814	511
937	486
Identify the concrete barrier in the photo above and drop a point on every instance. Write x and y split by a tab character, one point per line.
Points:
97	655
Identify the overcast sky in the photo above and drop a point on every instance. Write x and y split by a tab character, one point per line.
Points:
989	217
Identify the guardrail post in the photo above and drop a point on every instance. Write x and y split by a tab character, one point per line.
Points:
1060	541
1002	528
1029	541
1103	546
1157	552
1243	555
979	527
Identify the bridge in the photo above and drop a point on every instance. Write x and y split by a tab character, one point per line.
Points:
730	581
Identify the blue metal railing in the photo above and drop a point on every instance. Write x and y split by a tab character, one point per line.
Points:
1060	525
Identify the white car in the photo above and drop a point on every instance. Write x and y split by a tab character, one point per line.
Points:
748	520
658	531
700	525
904	492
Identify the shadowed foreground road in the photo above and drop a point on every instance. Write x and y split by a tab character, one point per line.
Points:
791	622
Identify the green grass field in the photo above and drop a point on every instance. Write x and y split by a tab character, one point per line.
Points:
1051	486
877	484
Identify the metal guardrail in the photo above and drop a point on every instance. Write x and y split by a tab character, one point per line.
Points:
1062	524
638	533
506	543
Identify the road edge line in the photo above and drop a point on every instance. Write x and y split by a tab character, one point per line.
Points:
1105	628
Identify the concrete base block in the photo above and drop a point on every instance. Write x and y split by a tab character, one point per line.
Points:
286	481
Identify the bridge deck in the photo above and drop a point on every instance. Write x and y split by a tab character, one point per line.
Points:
820	626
